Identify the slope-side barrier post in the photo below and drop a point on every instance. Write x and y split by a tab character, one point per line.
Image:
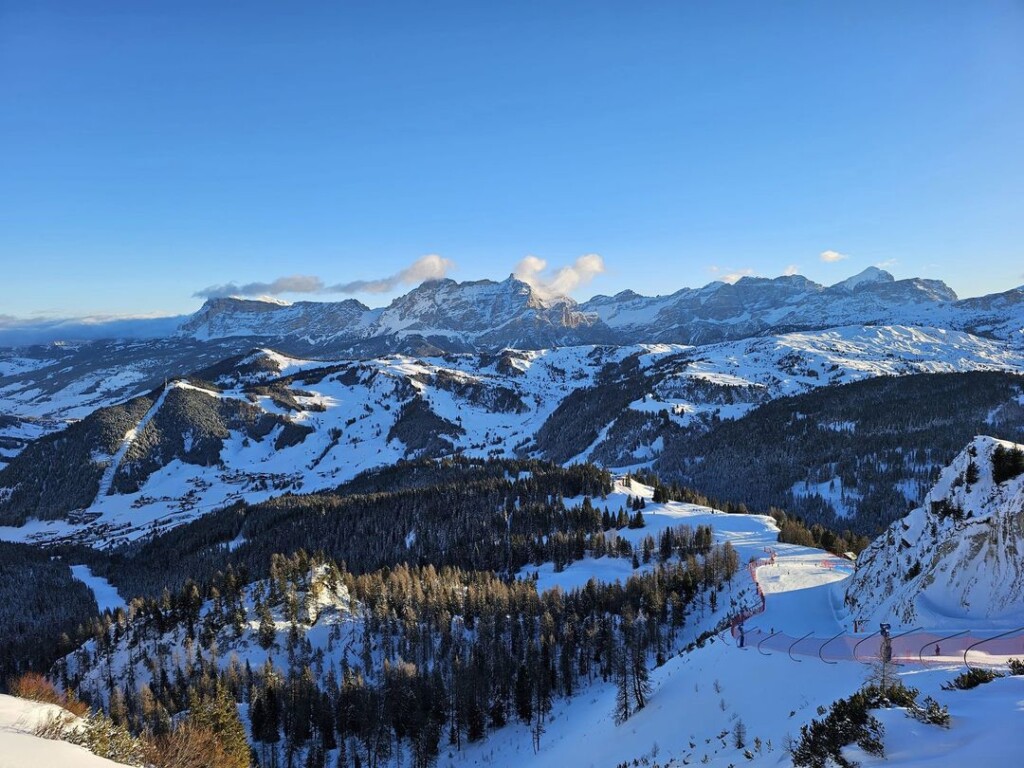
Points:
855	647
822	648
988	640
799	661
920	653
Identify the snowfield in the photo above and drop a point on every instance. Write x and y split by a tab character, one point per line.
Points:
107	597
19	748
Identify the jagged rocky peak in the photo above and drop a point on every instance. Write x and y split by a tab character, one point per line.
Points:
958	556
473	308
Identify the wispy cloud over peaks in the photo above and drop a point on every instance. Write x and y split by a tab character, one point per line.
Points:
831	257
289	284
430	267
561	281
791	270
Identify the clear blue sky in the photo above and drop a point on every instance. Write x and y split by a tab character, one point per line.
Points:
151	149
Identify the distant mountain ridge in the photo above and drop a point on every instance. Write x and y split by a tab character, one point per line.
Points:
446	315
487	315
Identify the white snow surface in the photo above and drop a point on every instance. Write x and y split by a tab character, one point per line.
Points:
19	748
105	593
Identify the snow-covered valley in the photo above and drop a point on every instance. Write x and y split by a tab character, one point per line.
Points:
334	420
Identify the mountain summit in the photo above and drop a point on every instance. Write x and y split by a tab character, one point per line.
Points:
867	277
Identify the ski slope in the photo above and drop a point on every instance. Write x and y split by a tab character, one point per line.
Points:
700	696
105	593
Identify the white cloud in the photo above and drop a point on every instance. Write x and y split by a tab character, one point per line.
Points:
791	270
429	267
562	281
831	257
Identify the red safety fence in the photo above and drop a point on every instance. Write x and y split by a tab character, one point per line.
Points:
927	646
917	645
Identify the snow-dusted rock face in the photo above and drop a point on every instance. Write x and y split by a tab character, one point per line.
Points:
450	315
229	317
754	305
958	557
487	315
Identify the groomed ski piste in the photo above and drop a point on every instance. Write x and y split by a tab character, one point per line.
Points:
699	696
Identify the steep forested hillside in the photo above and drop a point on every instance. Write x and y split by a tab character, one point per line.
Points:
42	608
61	472
483	520
870	449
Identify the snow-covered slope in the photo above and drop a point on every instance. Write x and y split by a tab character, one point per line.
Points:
20	748
955	559
788	364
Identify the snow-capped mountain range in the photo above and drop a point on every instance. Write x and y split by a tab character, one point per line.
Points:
249	399
484	314
444	315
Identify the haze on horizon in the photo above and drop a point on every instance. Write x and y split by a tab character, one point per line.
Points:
154	156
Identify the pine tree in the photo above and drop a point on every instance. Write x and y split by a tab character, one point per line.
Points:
218	713
623	689
267	632
739	735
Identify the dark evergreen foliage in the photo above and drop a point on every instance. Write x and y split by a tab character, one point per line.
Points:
1007	463
444	651
42	607
421	430
493	523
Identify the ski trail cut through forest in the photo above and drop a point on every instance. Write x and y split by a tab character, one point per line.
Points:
129	437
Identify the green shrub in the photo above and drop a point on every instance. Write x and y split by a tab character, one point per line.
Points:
932	712
971	679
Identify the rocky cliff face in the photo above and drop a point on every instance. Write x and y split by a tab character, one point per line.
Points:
958	557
